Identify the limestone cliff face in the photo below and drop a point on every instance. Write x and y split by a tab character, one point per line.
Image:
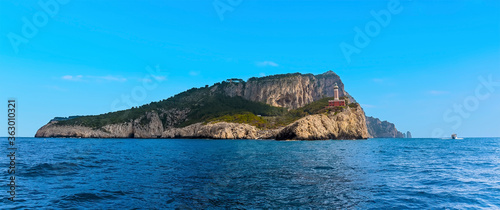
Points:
153	129
133	129
292	91
53	130
349	124
221	130
382	129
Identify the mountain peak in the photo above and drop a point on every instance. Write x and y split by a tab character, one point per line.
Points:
329	72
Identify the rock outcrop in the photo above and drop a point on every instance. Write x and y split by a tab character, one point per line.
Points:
134	129
220	130
382	129
348	124
54	130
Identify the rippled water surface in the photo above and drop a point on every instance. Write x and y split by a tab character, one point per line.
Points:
153	173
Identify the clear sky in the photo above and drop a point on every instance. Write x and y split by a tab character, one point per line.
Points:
416	69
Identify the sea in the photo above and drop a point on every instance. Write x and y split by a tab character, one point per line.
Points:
70	173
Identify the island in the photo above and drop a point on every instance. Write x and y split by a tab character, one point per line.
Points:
291	106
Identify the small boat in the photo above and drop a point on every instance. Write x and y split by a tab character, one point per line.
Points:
454	136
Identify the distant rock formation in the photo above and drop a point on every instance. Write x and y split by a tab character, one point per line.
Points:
408	135
382	129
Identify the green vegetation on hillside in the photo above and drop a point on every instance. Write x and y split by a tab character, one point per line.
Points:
278	76
246	118
219	106
316	107
203	107
283	118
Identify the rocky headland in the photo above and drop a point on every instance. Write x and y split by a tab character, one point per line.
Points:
283	107
382	129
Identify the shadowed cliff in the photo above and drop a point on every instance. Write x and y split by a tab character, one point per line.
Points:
382	129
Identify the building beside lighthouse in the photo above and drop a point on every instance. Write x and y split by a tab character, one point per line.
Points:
336	101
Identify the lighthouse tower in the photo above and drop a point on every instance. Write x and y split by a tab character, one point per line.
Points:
336	92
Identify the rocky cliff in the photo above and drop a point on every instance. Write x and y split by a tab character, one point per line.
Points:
382	129
291	91
348	124
132	129
272	107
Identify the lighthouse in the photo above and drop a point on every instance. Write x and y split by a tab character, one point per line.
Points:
336	92
336	101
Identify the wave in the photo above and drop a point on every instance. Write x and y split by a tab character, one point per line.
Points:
51	169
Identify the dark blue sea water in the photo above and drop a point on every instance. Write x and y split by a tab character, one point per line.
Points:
156	173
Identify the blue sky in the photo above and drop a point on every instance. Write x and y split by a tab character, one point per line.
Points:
91	57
